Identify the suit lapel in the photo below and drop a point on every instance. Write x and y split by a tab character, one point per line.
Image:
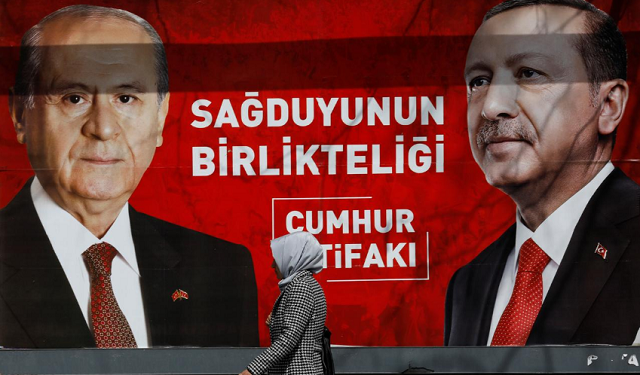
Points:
491	270
33	283
583	273
474	288
157	261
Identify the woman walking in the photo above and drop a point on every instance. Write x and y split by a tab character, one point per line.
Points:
297	319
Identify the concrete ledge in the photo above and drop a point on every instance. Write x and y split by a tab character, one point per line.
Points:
352	360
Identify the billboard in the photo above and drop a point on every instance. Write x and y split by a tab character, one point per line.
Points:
346	120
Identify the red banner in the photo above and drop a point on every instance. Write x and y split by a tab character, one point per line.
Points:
346	120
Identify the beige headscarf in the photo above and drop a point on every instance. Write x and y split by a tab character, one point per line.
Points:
296	252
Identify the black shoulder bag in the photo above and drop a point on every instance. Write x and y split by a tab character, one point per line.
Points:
327	358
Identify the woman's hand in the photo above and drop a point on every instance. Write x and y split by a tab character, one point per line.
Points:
268	321
245	372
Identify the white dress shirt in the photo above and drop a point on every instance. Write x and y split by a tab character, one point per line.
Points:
552	236
69	239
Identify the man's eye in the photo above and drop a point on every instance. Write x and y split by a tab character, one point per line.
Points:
529	73
74	99
125	99
478	82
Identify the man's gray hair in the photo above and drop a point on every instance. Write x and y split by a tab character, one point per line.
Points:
602	47
31	51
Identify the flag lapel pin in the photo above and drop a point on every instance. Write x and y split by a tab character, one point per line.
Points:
600	250
179	294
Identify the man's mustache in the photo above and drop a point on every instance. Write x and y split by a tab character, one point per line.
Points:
501	130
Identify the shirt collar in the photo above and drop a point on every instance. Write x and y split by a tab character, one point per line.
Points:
555	232
69	237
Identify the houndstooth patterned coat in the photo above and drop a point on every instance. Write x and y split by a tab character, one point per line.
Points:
297	321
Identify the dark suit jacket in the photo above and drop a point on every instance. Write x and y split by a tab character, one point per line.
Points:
39	310
591	300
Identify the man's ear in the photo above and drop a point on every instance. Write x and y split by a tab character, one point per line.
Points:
16	107
613	96
162	116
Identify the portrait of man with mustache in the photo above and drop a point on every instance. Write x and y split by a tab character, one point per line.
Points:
546	85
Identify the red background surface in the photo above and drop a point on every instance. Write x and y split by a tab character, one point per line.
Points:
221	49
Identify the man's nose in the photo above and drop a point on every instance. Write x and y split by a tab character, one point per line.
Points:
501	101
103	121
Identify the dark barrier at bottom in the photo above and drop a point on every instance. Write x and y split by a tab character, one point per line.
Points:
352	360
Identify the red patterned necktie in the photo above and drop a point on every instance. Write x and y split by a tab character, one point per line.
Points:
517	319
110	326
